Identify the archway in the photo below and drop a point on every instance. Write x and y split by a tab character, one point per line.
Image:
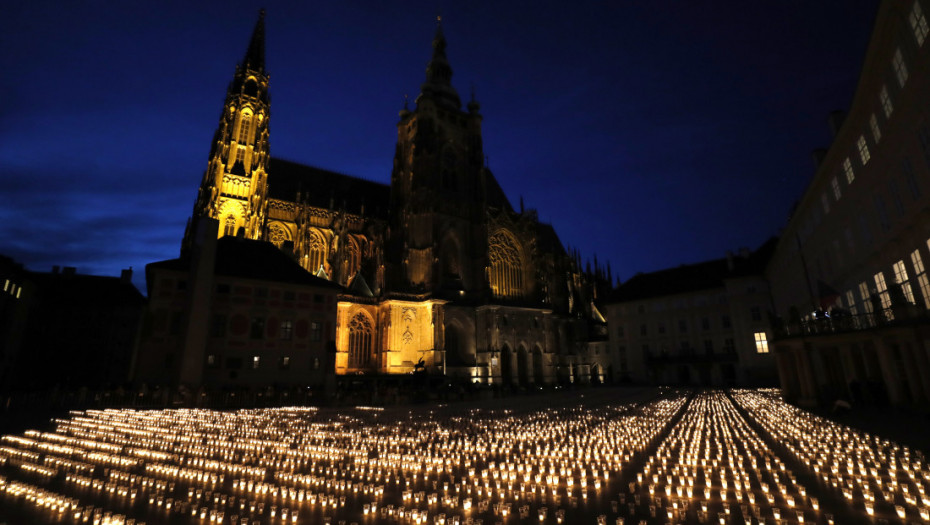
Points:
538	376
523	366
506	365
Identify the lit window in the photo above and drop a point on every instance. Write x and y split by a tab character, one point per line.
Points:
882	287
900	68
851	302
836	188
848	170
866	296
244	122
6	285
887	107
900	278
316	331
256	362
921	277
361	339
876	131
918	23
212	361
826	203
285	363
19	291
762	345
287	329
864	154
506	268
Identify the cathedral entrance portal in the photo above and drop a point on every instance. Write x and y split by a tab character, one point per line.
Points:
506	365
523	366
538	366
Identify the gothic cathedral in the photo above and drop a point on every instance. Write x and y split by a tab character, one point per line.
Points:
439	270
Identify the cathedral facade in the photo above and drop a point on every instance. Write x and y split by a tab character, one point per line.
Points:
440	272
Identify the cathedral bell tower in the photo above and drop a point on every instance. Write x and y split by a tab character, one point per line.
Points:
438	208
234	186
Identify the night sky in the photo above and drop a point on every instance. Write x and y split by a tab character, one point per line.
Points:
649	133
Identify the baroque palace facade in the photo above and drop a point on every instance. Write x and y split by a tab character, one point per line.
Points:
439	270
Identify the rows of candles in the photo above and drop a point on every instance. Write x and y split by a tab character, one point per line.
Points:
294	465
713	467
874	475
676	459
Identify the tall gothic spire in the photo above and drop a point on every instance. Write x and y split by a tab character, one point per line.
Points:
255	55
438	85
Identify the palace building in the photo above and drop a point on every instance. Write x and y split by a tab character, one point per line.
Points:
848	278
439	271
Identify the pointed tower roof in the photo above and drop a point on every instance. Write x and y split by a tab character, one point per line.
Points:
438	85
255	55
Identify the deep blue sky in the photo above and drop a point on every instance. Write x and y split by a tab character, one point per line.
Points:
650	133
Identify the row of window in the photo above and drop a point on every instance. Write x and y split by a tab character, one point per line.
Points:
755	314
262	292
12	288
885	215
918	24
729	347
874	294
258	328
255	363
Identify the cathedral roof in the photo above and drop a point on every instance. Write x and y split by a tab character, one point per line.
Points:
248	259
327	189
495	194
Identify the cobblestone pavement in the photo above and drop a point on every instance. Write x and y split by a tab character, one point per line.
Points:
598	456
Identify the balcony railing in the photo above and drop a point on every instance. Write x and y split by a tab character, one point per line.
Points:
838	322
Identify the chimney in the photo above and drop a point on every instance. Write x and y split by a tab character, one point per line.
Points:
56	269
836	119
729	260
69	270
818	155
125	276
744	252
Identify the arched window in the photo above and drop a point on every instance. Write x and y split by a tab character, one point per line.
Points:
506	265
230	228
316	250
277	234
353	258
361	336
245	121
